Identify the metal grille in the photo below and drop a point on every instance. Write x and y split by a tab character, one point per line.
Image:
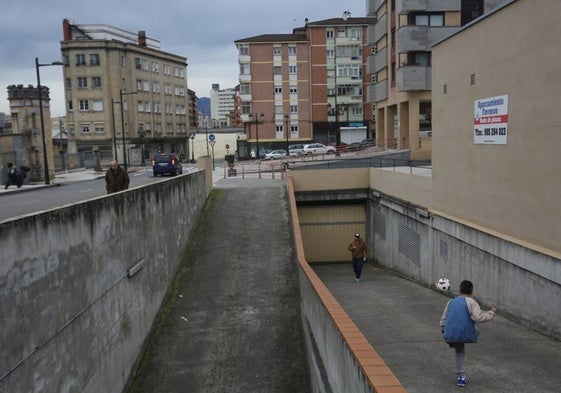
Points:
410	243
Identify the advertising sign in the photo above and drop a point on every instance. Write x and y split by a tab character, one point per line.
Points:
490	121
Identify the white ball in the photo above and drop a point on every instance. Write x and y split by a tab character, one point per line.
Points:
443	284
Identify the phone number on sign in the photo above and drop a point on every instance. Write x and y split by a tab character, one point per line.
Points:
491	131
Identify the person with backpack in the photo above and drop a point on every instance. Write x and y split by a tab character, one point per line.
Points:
458	325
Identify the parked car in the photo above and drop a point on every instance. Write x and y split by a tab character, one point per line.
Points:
355	146
317	148
295	150
338	146
275	154
370	142
163	163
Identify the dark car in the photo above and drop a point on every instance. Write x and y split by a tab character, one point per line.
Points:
163	163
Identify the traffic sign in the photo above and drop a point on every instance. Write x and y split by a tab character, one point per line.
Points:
227	146
211	137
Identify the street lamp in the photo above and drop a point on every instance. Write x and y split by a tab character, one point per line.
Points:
121	94
286	120
113	102
45	160
257	122
192	137
141	134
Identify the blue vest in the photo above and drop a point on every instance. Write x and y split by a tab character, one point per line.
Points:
459	328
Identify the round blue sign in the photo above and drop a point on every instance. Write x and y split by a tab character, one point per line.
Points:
211	137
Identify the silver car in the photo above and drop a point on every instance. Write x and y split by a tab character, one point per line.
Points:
318	148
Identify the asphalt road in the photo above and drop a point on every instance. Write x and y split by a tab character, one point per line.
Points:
21	203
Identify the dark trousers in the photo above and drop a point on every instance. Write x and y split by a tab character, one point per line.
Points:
357	266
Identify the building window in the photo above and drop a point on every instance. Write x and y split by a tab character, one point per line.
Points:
278	90
96	82
122	61
245	88
293	90
341	32
70	106
243	49
293	108
167	69
156	87
244	69
141	64
276	51
419	58
169	128
278	110
292	70
155	67
97	105
426	19
94	59
293	128
146	85
352	51
85	128
157	108
147	106
329	33
330	54
292	51
84	105
246	108
167	89
82	82
278	129
99	128
350	70
68	83
140	106
356	33
80	59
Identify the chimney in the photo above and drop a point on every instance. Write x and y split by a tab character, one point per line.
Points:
66	33
142	38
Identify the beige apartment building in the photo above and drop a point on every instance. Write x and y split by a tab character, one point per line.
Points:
305	86
120	81
400	65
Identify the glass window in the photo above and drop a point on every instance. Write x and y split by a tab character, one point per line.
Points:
293	108
244	69
276	51
244	49
68	83
84	105
329	33
94	59
292	50
292	70
85	128
99	128
97	105
80	59
96	82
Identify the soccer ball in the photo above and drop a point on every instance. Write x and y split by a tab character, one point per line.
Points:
443	284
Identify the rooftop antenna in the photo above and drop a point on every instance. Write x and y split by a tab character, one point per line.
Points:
346	15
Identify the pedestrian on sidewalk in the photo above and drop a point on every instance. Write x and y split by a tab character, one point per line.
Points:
116	178
359	252
458	325
14	176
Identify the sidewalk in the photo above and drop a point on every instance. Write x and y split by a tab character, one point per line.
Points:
60	178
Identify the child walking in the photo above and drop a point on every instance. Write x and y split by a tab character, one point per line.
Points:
458	324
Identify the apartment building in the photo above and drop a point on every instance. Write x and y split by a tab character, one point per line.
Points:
222	105
121	81
309	83
400	65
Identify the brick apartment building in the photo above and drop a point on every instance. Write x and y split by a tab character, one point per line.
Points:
305	86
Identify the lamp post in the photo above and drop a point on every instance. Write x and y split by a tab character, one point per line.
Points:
45	160
141	134
206	136
337	110
192	137
286	120
257	122
121	94
113	102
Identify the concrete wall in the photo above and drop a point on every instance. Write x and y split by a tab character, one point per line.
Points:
72	319
510	188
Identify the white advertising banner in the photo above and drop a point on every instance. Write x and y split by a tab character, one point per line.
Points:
490	121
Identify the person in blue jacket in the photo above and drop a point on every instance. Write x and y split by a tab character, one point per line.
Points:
458	324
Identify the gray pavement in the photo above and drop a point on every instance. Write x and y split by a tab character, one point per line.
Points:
232	323
401	321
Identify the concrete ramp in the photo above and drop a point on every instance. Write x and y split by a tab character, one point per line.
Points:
232	323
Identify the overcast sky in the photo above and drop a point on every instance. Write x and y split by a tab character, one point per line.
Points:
202	31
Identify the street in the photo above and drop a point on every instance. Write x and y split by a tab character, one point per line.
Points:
16	204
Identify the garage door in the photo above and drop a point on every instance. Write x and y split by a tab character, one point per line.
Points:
328	230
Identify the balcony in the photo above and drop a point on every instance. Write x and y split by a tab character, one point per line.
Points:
380	28
421	38
408	6
245	78
378	92
244	58
245	97
378	62
414	78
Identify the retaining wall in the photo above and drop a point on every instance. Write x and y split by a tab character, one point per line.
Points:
81	285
